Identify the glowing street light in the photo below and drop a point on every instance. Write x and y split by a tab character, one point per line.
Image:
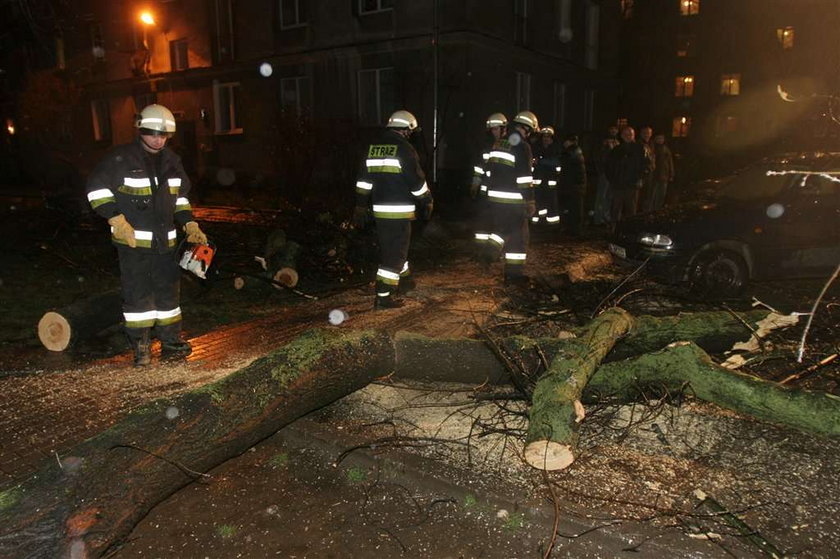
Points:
147	18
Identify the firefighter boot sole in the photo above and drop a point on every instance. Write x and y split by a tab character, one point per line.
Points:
175	349
383	303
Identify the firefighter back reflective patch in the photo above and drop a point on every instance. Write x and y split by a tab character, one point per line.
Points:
382	150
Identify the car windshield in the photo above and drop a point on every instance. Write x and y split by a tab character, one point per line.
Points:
766	179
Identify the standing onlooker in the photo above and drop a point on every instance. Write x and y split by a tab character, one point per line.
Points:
601	210
572	184
646	141
626	165
662	174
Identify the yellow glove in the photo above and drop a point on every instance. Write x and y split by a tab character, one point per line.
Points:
194	234
122	230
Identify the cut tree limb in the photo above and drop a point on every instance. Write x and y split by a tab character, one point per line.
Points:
60	328
555	406
685	367
111	481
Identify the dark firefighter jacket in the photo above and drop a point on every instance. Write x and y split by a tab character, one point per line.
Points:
510	178
153	198
546	167
392	178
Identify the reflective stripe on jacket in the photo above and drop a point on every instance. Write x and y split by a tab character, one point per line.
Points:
152	195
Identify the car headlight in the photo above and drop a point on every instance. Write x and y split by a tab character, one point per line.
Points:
655	240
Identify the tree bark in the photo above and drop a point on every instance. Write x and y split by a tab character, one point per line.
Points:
59	329
111	481
555	406
687	368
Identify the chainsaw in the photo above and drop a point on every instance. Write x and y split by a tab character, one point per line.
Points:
197	259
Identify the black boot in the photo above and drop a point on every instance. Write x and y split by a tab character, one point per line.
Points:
407	284
175	348
387	302
143	350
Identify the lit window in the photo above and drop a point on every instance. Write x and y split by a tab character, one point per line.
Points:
684	86
179	55
292	14
376	95
730	84
627	8
685	44
726	125
372	6
785	37
681	127
294	94
689	7
226	103
101	113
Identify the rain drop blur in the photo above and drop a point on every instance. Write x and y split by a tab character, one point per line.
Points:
266	69
337	316
172	412
775	210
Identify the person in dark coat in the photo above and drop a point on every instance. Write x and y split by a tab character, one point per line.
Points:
663	174
626	166
572	184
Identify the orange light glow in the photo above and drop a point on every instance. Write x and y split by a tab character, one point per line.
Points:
147	18
10	126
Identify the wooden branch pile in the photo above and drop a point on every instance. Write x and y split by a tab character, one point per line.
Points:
90	502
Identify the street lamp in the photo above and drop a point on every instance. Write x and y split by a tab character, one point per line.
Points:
147	19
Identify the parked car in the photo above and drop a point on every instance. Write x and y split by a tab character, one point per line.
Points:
779	218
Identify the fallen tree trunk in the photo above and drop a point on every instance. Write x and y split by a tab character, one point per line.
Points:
111	481
59	329
555	406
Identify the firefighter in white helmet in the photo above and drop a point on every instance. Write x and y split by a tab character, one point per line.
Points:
141	189
546	177
511	195
496	128
392	180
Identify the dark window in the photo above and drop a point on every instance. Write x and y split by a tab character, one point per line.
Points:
686	44
373	6
376	95
101	113
292	13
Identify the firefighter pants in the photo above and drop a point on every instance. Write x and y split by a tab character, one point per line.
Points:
483	221
510	233
151	291
394	237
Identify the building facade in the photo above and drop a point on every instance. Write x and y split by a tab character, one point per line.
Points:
276	95
712	74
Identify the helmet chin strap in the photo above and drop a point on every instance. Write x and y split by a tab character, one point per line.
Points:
149	148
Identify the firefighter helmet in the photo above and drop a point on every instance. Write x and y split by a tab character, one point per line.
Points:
496	119
547	131
402	119
156	120
527	118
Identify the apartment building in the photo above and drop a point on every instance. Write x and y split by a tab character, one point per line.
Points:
278	94
708	73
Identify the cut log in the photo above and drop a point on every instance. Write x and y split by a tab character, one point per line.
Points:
556	410
111	481
283	263
59	329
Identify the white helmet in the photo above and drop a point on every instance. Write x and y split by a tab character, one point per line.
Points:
547	131
528	119
496	119
402	119
156	120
